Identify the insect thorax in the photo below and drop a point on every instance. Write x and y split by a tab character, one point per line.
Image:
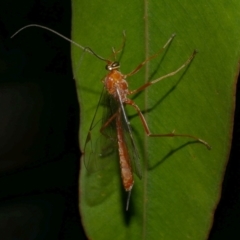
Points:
115	81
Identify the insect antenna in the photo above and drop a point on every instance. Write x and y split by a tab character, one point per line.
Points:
88	49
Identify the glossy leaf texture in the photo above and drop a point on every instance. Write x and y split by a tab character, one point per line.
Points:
181	183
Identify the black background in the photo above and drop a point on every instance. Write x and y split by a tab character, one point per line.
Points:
39	117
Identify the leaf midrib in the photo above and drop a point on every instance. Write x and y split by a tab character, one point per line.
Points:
145	159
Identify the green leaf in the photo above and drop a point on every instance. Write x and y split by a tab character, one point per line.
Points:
181	183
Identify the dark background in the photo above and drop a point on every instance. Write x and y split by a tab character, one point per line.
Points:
39	117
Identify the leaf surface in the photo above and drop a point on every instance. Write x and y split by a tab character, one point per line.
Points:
181	183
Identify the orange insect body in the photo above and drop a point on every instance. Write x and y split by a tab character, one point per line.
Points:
116	80
117	86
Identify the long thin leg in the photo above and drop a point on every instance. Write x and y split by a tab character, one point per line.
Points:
165	76
150	58
172	134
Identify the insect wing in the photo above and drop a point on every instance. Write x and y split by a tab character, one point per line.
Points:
130	142
100	148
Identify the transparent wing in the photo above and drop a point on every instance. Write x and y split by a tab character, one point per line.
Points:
100	148
130	142
132	149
